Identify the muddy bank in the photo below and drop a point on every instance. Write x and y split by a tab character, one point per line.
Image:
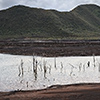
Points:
71	92
51	48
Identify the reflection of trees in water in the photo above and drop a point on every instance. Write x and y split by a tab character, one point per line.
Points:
72	67
20	68
35	62
45	68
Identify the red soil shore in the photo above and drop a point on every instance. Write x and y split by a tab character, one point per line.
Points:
71	92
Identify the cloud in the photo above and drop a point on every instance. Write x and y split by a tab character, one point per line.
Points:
6	3
61	5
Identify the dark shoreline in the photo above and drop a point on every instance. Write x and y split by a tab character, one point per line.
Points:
51	48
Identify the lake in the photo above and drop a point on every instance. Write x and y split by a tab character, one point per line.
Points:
19	72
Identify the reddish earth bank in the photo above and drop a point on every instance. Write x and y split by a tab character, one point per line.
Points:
72	92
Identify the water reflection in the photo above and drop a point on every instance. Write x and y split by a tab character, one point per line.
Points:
32	72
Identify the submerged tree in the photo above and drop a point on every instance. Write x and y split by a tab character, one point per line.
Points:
35	67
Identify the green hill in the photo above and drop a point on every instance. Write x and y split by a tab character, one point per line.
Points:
83	22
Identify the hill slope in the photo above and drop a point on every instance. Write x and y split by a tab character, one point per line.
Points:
21	21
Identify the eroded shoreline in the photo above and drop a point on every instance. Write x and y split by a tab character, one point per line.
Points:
51	48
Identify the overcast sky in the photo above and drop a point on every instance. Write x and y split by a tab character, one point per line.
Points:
60	5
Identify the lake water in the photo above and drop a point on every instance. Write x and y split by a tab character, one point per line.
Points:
34	72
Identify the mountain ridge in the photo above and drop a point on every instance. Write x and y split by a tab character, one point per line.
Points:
25	22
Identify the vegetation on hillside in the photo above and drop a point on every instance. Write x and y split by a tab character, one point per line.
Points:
21	22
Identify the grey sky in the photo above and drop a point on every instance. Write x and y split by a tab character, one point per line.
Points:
61	5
